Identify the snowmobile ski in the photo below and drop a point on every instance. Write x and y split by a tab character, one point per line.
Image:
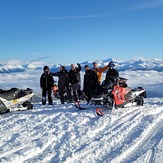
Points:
77	105
99	112
102	111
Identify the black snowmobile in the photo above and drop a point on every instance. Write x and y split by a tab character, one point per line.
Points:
15	98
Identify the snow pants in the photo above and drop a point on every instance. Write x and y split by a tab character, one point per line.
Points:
46	91
76	88
62	90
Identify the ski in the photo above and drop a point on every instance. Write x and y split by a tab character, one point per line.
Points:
19	109
14	110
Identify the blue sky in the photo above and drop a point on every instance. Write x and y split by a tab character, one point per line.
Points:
71	31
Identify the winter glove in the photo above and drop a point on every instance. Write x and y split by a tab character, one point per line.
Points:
78	64
111	64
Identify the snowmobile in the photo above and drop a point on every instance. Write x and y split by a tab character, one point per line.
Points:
111	95
15	99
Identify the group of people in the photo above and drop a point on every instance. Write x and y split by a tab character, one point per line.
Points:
70	81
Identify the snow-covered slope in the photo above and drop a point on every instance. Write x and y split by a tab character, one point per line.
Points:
132	65
62	133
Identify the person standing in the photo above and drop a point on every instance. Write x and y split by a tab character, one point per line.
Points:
63	84
46	84
90	78
75	81
98	72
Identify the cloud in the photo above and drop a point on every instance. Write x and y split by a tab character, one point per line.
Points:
40	58
80	17
143	5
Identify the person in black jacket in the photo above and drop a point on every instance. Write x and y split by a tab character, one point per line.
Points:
90	79
63	84
74	76
46	83
112	74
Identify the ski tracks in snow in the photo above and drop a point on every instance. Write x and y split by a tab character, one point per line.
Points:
122	140
62	133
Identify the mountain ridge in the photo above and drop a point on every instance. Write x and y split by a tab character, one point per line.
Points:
132	65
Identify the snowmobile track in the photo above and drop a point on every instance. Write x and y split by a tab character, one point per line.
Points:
147	142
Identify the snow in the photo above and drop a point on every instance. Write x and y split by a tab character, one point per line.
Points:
64	134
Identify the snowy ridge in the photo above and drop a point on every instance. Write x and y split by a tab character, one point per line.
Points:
133	65
61	133
11	68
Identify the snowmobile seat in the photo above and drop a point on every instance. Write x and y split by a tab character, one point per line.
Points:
9	94
15	93
24	92
107	85
104	88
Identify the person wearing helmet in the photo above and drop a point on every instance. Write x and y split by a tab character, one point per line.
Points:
46	83
112	74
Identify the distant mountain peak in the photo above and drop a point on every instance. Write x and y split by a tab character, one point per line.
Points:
132	65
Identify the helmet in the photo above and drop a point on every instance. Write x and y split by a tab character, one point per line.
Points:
111	64
63	67
46	68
